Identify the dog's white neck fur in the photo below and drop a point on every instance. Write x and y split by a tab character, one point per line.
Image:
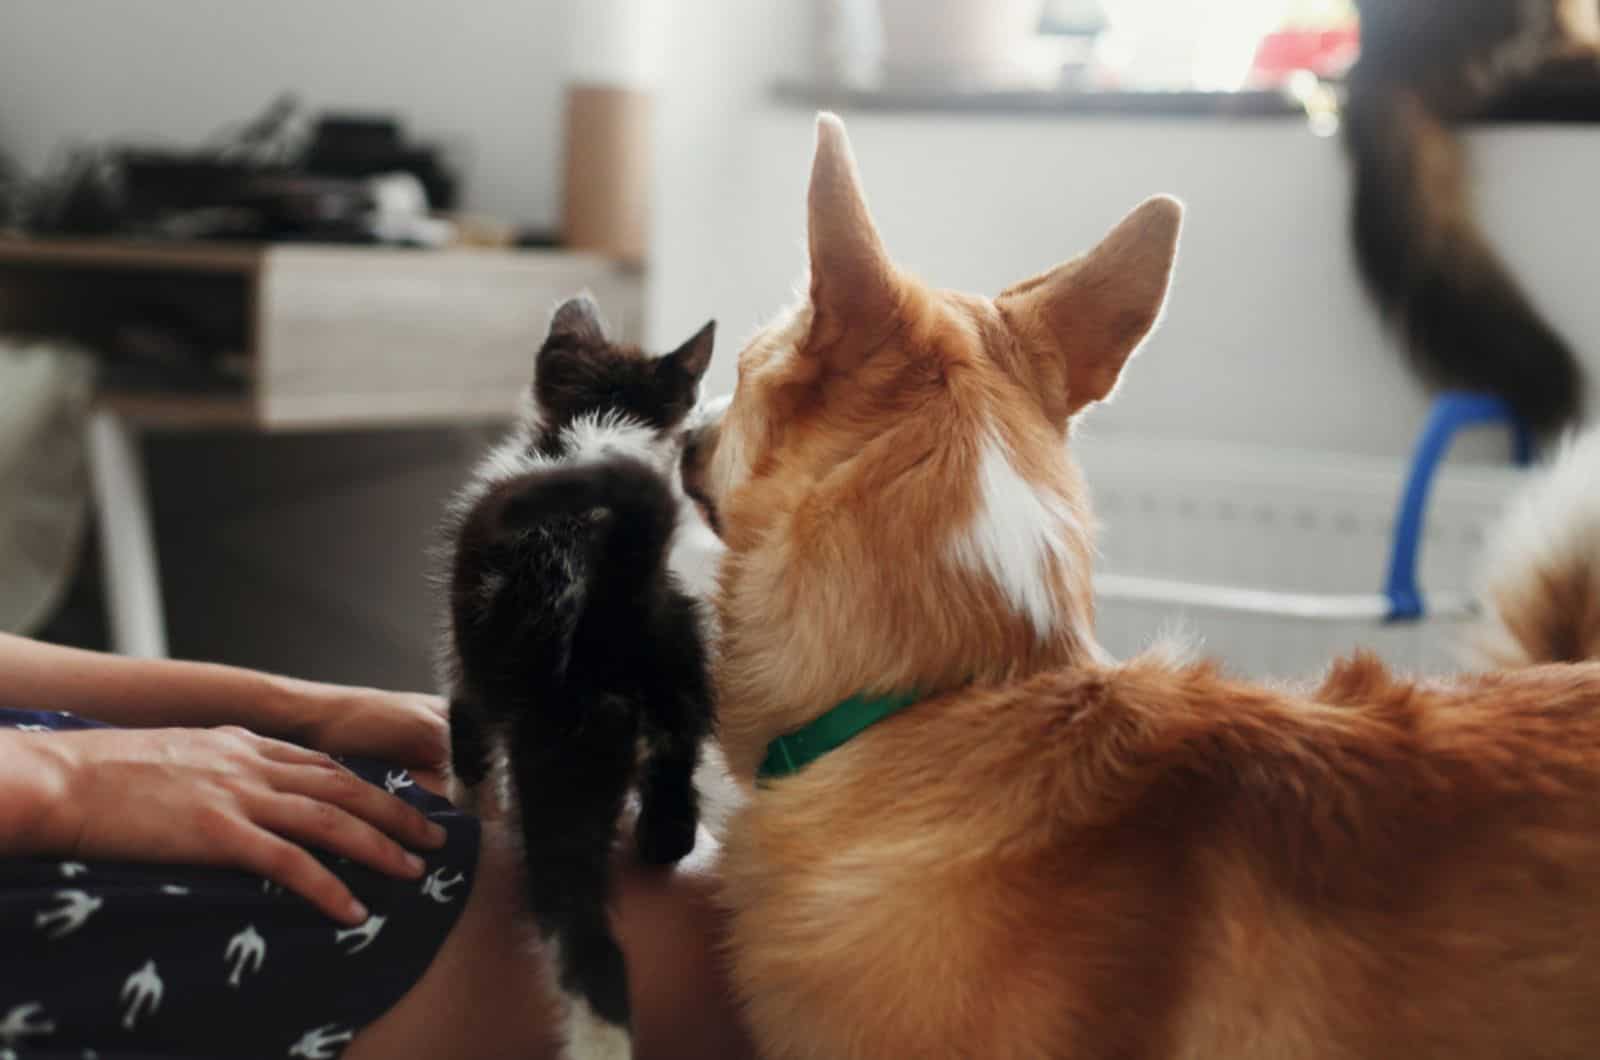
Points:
1016	537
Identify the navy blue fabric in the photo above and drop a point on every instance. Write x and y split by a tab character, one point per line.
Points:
126	961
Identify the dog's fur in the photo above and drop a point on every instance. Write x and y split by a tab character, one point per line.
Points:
1052	855
1543	585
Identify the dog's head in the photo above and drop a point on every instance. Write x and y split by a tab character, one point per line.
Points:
891	476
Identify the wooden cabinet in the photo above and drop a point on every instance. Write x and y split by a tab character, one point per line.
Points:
321	336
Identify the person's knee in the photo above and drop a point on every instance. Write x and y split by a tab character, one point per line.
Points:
671	928
487	993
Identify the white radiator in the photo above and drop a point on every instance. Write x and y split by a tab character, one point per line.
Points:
1282	522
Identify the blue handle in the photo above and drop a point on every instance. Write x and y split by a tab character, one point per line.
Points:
1452	413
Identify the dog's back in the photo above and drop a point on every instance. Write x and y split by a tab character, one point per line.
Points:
1048	854
1156	861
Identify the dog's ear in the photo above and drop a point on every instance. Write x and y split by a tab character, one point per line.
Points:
1090	314
852	280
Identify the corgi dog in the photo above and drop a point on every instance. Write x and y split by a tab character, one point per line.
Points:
970	833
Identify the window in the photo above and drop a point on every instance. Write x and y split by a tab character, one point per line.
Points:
1199	44
1157	57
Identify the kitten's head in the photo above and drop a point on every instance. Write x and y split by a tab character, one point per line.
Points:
583	381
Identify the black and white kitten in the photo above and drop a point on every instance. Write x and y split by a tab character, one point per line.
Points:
575	657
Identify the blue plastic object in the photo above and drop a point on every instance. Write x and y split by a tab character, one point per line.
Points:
1452	413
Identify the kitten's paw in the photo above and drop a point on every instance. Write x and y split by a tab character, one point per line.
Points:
664	840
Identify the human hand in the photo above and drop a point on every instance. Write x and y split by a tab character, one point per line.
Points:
224	797
403	728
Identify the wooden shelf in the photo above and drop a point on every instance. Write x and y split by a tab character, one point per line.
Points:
1039	102
104	254
184	411
335	336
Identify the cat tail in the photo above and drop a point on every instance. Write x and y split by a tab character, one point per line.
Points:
1425	262
639	510
1542	583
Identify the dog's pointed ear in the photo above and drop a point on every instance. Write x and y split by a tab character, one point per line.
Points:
852	280
694	357
578	320
1090	314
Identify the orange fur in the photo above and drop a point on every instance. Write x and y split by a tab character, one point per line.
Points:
1053	855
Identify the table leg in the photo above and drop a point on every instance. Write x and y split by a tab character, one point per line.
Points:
127	542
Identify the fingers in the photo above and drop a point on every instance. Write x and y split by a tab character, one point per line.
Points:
227	836
426	732
318	775
303	796
422	740
412	731
290	753
330	828
341	788
291	868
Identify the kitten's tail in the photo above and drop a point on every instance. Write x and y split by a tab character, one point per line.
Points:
1431	271
1543	577
636	511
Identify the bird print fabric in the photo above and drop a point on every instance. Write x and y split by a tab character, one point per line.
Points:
118	961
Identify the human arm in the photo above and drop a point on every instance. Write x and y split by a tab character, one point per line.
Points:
409	730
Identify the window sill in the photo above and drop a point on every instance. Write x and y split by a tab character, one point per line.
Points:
912	99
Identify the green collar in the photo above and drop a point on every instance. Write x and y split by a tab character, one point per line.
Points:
793	751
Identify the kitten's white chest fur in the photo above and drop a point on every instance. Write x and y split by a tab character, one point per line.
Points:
695	556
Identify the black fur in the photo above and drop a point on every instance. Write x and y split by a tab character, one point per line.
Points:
1426	66
572	646
579	374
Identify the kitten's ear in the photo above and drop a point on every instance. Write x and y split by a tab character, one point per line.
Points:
694	356
578	320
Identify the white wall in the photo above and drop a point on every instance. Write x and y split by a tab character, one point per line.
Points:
1268	339
1268	344
482	75
712	250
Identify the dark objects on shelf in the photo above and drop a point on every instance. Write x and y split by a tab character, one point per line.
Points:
182	196
267	179
358	146
152	328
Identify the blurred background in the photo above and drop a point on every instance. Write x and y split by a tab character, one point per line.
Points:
271	275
